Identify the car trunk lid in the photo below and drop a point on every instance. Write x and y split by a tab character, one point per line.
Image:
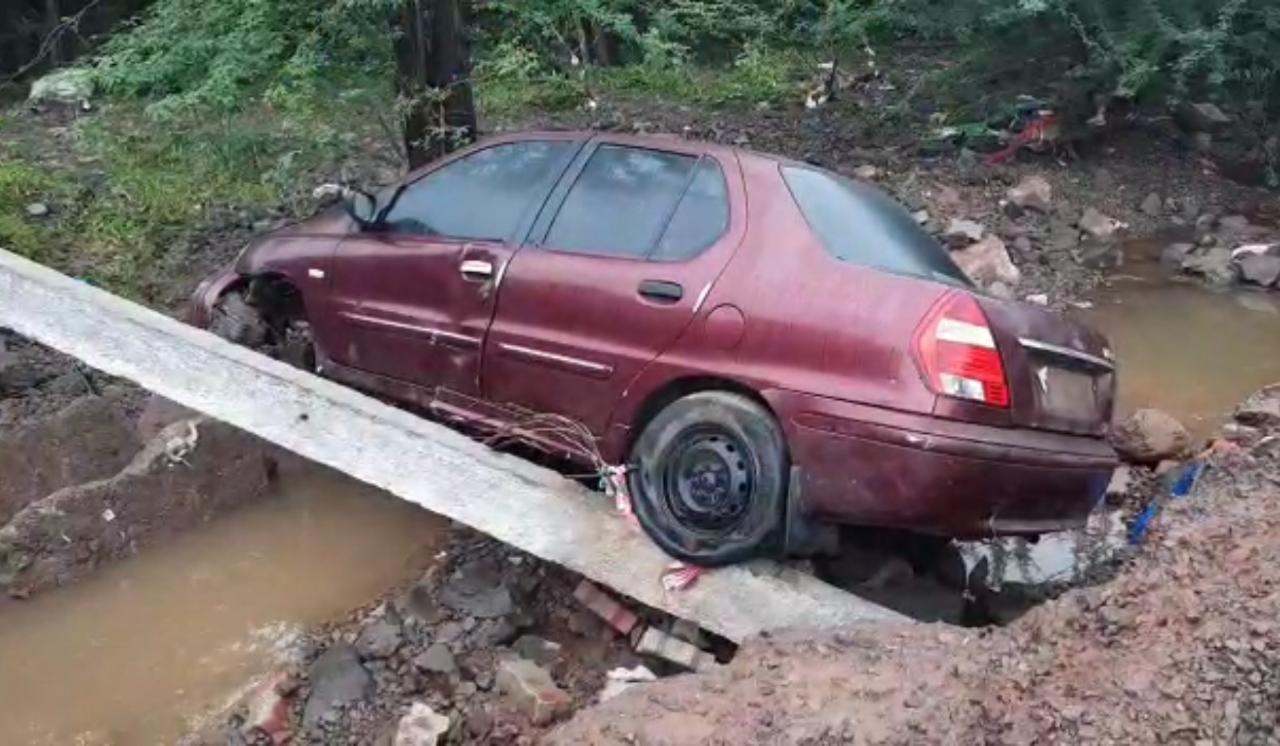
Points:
1061	372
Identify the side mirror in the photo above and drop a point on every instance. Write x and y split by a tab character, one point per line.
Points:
362	207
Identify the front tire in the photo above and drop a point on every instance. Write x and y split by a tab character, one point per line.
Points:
709	479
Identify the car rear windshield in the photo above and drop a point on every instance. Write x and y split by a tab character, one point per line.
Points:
862	225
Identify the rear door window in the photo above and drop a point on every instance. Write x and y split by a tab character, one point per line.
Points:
862	225
700	219
622	201
483	196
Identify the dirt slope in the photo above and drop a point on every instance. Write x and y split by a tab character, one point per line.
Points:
1184	647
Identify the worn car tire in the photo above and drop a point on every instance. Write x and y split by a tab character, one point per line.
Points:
709	479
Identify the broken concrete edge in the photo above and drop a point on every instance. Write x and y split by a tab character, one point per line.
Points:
527	506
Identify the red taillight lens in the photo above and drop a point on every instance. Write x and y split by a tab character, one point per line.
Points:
957	353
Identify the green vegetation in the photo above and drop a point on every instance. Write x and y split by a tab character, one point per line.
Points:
222	106
135	191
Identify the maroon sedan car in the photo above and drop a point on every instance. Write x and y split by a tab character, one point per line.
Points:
768	346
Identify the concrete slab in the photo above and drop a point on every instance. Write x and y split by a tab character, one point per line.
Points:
522	504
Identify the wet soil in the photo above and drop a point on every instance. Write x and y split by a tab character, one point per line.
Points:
1182	647
140	651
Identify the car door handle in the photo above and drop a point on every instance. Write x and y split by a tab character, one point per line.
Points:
661	291
477	269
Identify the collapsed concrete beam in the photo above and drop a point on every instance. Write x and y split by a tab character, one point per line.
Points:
517	502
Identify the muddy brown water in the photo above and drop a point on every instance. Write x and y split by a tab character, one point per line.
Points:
139	652
1191	351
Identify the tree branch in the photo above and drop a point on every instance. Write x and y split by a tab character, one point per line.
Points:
70	24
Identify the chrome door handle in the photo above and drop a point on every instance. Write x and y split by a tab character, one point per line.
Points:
477	269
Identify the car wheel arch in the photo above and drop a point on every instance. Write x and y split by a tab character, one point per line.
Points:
677	388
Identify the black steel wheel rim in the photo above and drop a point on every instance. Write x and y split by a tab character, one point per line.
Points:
708	479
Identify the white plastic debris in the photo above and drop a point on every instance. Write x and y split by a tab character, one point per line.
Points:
177	448
619	680
1251	248
327	190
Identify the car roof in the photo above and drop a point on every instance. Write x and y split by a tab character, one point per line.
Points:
657	141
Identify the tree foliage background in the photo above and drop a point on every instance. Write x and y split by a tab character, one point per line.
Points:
192	51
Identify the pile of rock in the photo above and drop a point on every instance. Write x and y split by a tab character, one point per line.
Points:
1054	242
492	646
1228	250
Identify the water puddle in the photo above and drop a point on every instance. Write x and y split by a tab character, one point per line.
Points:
138	651
1183	348
1065	558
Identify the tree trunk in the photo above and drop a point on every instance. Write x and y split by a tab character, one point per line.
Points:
606	46
433	78
52	20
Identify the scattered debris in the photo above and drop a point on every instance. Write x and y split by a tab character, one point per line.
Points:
1099	226
619	680
657	643
436	659
1261	409
532	690
420	726
1032	193
381	639
1152	205
961	232
536	649
867	172
613	613
267	707
987	262
476	589
37	210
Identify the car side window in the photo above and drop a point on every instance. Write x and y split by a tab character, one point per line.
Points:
483	196
621	202
700	219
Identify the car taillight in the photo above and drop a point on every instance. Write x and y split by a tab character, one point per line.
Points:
957	353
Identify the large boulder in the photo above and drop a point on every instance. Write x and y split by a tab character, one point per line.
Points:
1215	266
1260	269
1262	409
987	262
68	86
1149	436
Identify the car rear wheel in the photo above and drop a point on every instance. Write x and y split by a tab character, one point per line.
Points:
709	479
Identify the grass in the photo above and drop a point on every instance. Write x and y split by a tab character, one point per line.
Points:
131	192
135	189
758	76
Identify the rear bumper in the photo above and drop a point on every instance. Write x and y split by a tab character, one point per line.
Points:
876	467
